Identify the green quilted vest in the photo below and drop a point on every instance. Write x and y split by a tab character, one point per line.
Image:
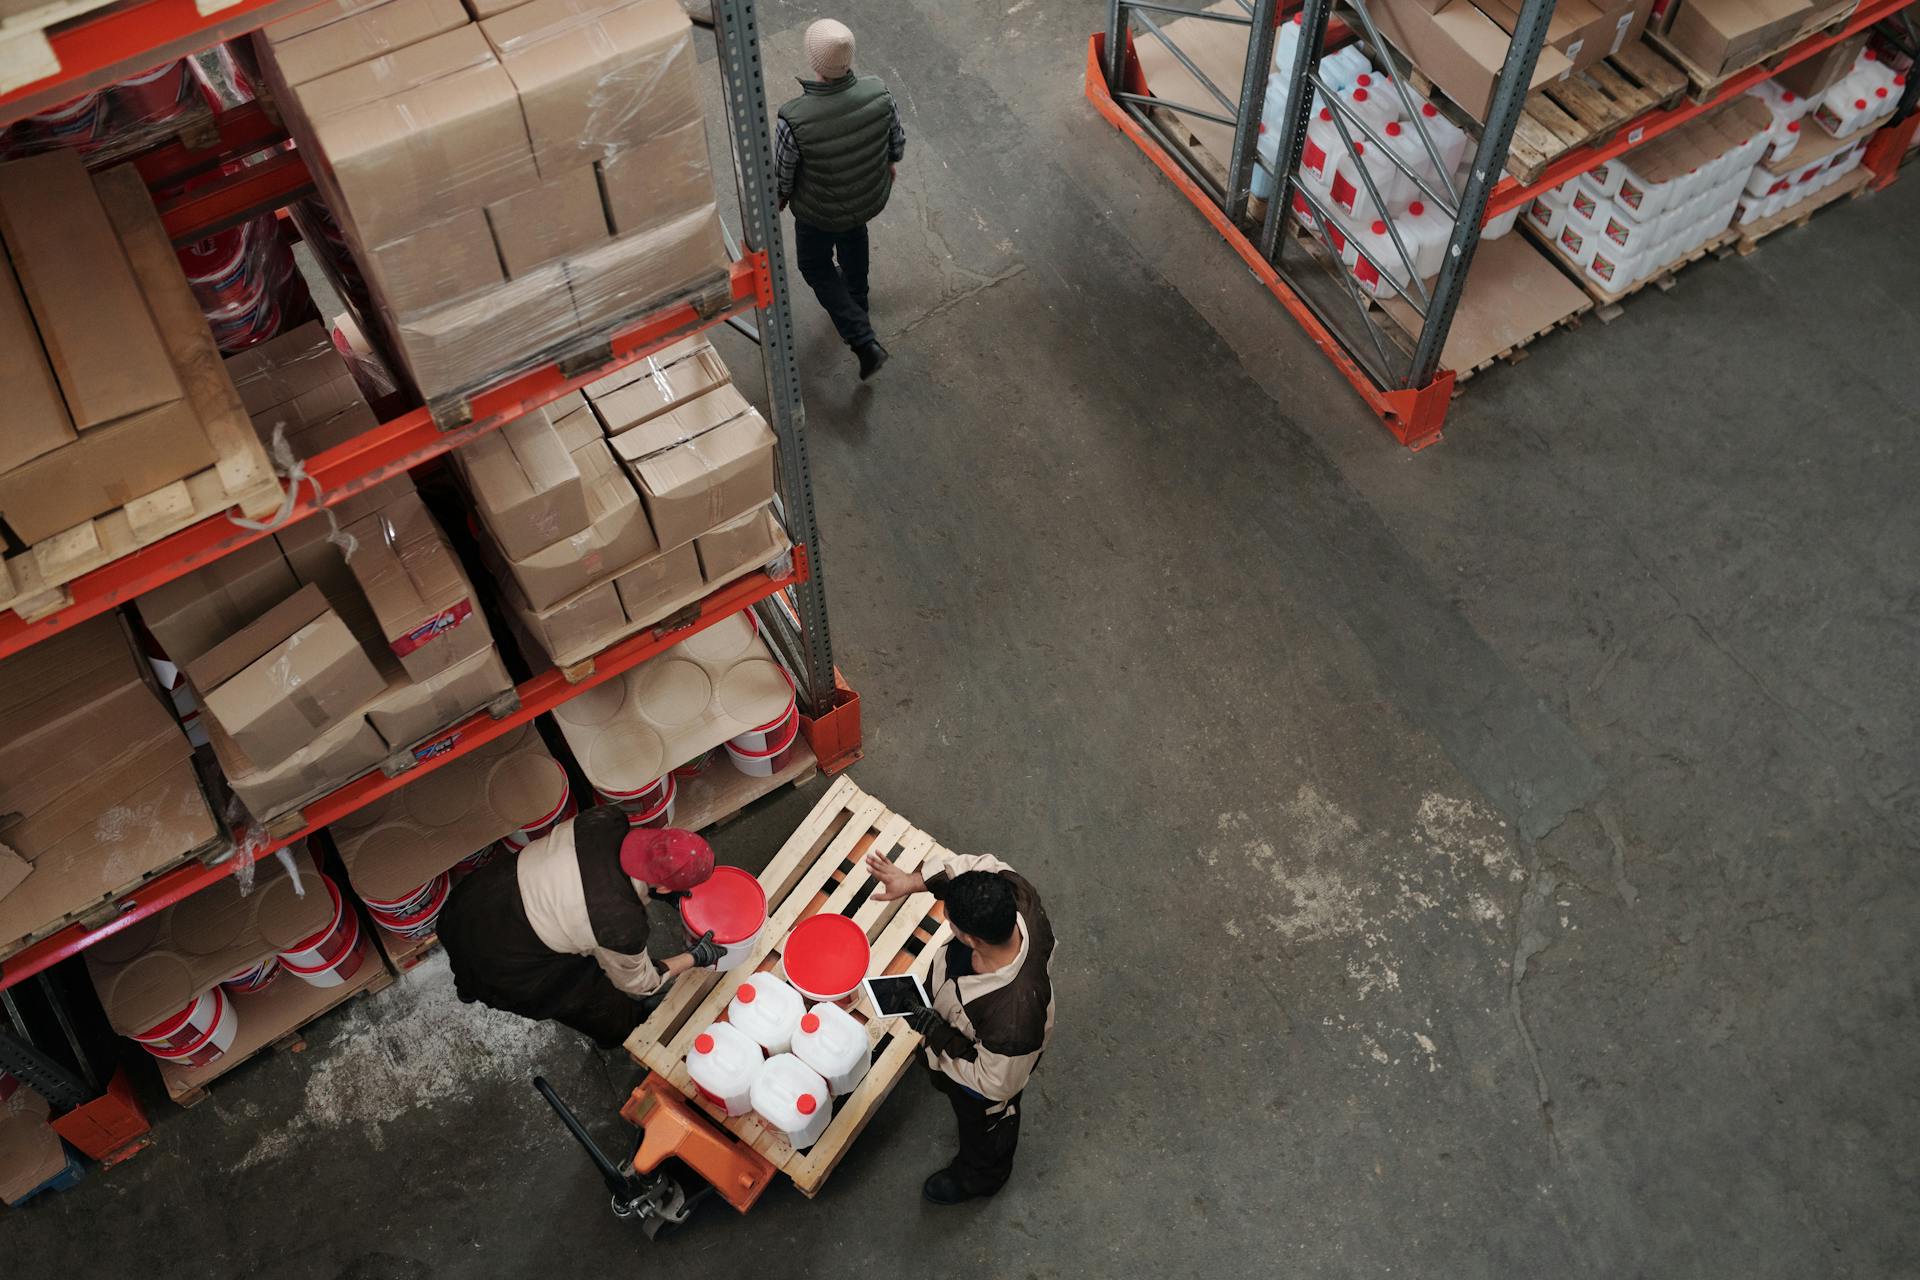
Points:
842	127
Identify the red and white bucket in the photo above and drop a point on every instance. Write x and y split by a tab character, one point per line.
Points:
565	808
331	956
156	95
640	799
254	977
220	267
733	904
478	859
696	766
772	758
826	956
197	1034
418	914
763	737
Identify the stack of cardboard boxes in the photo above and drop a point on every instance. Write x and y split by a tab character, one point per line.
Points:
114	387
509	177
608	511
1721	37
1461	44
97	783
311	664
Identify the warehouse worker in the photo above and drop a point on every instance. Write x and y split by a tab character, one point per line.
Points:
560	932
992	1015
834	152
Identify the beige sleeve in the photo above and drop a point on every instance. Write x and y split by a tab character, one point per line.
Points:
994	1076
635	975
942	862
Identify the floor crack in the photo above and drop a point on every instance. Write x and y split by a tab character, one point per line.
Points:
1530	939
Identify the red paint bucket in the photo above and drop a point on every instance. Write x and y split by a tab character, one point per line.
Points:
765	763
217	267
421	915
763	738
733	904
196	1035
639	800
78	123
660	814
254	977
159	94
331	956
826	957
563	809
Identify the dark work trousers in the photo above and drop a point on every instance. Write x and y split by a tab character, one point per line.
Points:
842	286
498	960
987	1142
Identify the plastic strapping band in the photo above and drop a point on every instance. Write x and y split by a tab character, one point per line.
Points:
296	475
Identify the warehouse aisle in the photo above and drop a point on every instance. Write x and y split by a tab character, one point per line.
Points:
1490	862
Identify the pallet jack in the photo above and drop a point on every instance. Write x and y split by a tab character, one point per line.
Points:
674	1136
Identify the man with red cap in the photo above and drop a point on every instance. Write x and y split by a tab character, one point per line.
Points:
560	932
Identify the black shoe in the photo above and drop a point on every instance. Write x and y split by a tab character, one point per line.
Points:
872	356
944	1188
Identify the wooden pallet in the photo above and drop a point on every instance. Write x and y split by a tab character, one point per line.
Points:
404	953
1607	302
1853	186
278	1017
1589	106
33	582
820	868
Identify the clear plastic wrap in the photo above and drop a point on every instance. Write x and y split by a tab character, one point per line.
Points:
508	187
134	114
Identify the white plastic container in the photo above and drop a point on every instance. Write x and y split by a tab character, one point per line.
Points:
1626	235
1547	219
1322	144
1346	190
1449	139
1372	106
1639	198
1603	180
1586	207
1425	231
1377	261
1611	268
1845	105
790	1095
1782	140
768	1010
1286	44
1499	226
1339	70
834	1043
1405	143
723	1064
1576	245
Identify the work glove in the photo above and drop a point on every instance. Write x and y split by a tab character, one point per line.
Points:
940	1035
706	952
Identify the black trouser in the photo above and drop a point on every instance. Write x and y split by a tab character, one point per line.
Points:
987	1142
842	286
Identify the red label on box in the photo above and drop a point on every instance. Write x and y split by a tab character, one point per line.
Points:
1602	268
438	625
1617	232
1313	159
1630	195
1344	193
1540	213
1584	204
1571	241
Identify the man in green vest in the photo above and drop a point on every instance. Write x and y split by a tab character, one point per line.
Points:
834	153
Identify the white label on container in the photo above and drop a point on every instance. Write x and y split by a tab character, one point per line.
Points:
1634	135
1620	32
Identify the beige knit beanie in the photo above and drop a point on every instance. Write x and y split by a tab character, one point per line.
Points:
829	47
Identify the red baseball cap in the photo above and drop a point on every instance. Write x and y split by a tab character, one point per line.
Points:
668	859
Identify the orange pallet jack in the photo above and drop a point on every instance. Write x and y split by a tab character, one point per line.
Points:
647	1187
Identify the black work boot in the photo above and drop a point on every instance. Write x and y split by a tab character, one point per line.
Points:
872	356
943	1188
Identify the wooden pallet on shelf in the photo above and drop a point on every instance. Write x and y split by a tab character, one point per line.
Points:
1607	302
1589	106
820	868
277	1017
1853	186
404	953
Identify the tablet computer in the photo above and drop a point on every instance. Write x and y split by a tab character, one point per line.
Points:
897	995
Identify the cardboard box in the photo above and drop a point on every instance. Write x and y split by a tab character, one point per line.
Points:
37	418
626	276
525	485
284	368
574	628
1459	48
683	422
471	342
596	75
1722	36
706	481
617	535
328	11
192	614
748	542
574	422
1814	76
94	324
337	756
650	591
1578	30
156	966
462	48
406	838
416	588
106	467
559	218
435	264
31	1153
293	673
647	183
452	142
365	34
314	558
648	388
413	709
481	9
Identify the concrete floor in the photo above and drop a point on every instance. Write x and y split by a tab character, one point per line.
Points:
1491	862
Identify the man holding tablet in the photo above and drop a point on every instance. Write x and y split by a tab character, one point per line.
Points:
992	1014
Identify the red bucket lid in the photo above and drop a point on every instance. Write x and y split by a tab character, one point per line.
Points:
826	954
730	902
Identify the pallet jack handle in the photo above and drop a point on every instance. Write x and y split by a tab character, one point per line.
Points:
624	1185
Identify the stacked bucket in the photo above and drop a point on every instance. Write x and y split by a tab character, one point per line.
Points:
765	751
